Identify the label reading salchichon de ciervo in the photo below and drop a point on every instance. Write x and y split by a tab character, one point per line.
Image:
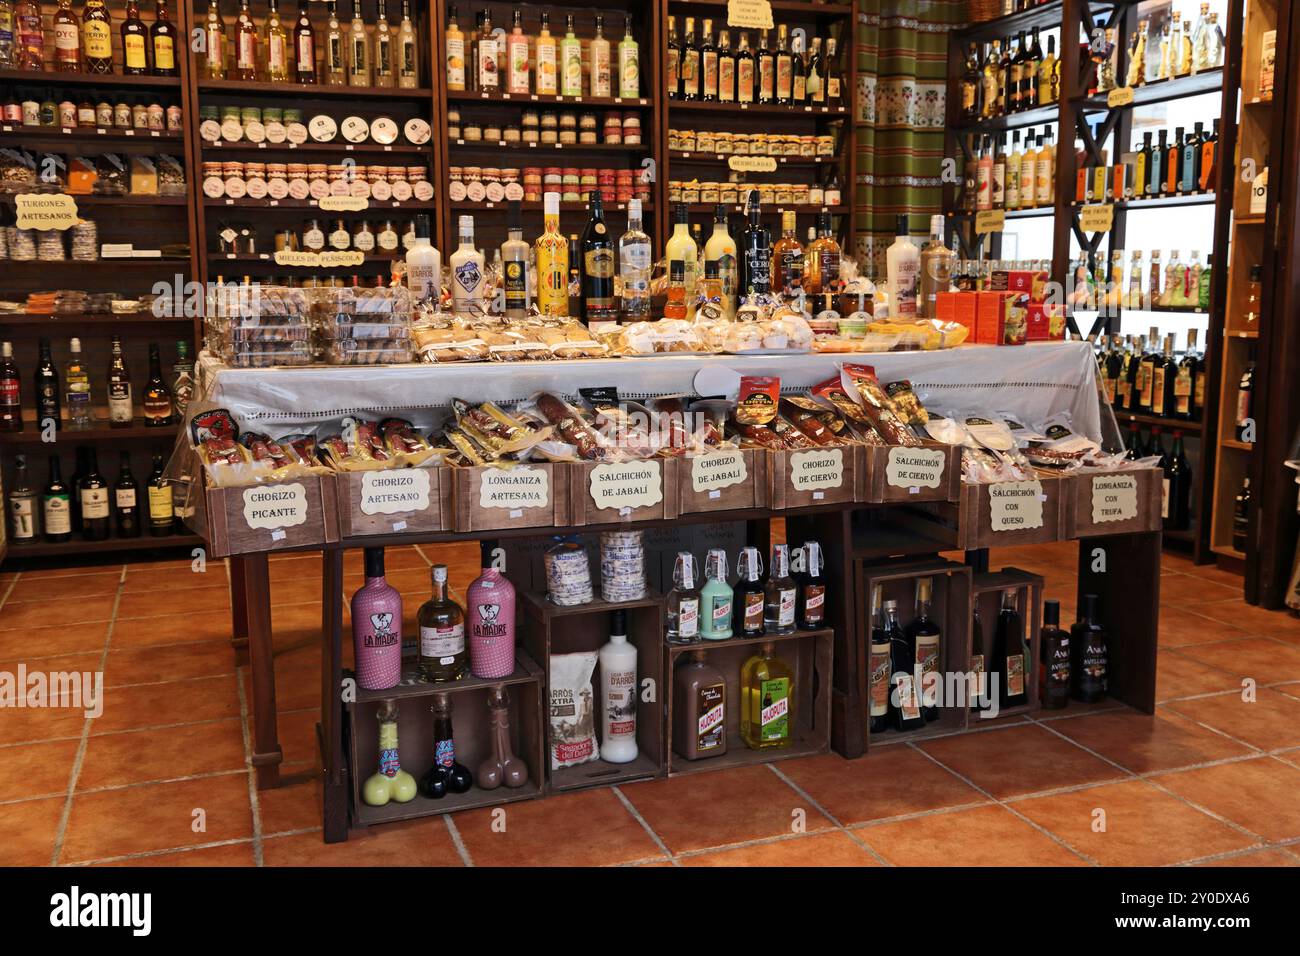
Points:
717	470
1015	505
817	470
513	488
915	467
1114	498
275	506
628	484
397	491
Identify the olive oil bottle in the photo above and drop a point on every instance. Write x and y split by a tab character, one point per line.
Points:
766	700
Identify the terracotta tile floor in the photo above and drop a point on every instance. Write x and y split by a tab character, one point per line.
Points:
161	779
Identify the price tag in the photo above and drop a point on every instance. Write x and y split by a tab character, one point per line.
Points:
344	204
45	211
990	220
1123	96
750	14
1114	498
1016	505
752	164
1097	218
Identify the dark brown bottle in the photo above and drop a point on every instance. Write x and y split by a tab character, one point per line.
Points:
810	609
126	500
1054	663
878	674
926	638
1010	655
749	595
1088	655
447	775
135	42
157	396
164	36
162	517
92	492
904	697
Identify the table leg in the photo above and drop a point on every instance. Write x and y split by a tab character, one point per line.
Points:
261	658
1124	572
238	611
335	797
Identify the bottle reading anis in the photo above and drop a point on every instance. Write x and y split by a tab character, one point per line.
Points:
635	262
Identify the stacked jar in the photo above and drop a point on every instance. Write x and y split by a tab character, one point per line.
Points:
751	144
547	128
234	180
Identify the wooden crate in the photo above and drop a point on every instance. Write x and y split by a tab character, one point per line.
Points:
1007	513
609	492
727	480
818	476
1114	502
421	501
471	730
549	629
902	474
269	516
487	497
986	594
949	608
809	654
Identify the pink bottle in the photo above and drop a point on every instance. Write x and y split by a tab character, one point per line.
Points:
377	627
490	606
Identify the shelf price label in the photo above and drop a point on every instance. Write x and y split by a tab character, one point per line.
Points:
990	220
750	14
1097	218
1016	505
1121	96
48	211
291	257
752	164
344	204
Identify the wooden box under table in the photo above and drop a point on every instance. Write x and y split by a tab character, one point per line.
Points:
610	492
986	598
898	473
817	476
493	497
1006	513
1114	502
268	516
393	500
731	479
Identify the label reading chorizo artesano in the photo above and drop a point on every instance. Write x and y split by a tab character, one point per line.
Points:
628	484
915	467
275	506
513	488
395	491
817	470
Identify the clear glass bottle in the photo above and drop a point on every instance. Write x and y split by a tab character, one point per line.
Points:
358	49
455	52
385	63
214	61
443	655
246	43
121	411
683	602
76	382
635	262
629	64
780	594
276	38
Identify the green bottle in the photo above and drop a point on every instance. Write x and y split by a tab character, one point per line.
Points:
1203	293
715	598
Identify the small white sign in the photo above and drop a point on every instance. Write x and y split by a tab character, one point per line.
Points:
1016	505
717	470
626	485
395	491
1114	498
914	468
817	470
514	489
275	506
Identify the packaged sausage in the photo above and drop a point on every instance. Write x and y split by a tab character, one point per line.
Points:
757	401
878	407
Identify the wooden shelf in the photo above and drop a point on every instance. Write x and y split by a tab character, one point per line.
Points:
1048	14
56	137
422	806
42	267
549	148
1235	445
412	685
677	650
30	437
787	10
47	78
1156	202
760	109
684	156
77	547
92	200
1158	421
504	206
1163	91
243	146
773	209
299	204
268	259
303	91
526	99
597	606
41	321
1035	212
1038	116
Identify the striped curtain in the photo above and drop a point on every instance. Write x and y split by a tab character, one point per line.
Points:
902	51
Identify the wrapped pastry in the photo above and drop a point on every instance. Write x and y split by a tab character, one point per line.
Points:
454	343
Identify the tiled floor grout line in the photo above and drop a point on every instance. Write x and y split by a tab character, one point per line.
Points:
456	840
146	854
630	807
839	825
919	814
74	774
1220	857
255	804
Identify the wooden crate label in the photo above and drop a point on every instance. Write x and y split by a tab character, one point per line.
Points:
45	211
1016	505
275	506
717	470
394	492
750	14
817	470
1114	498
916	467
990	220
1097	218
1120	96
514	488
626	485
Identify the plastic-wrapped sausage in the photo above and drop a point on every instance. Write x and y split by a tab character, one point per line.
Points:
570	426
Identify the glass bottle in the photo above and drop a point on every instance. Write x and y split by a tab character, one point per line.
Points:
97	37
56	506
467	265
546	59
699	709
749	595
1007	666
162	511
164	35
517	67
1054	659
635	263
552	253
377	627
157	396
810	609
784	67
385	66
766	700
92	493
721	249
22	504
977	686
629	64
30	49
716	598
599	71
746	70
304	47
878	673
515	259
822	259
926	637
690	64
501	766
183	377
765	70
126	503
358	49
597	265
570	61
11	402
675	293
447	775
905	701
1088	655
682	248
787	257
780	594
443	656
7	25
391	782
683	602
77	384
49	400
755	251
67	39
214	41
455	52
246	43
121	411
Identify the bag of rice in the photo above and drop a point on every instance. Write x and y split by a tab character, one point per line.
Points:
573	710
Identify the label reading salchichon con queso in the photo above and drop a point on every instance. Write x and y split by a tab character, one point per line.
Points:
630	484
396	491
275	506
817	470
1114	498
513	488
1015	505
915	467
716	470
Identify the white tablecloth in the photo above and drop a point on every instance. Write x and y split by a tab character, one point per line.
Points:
1030	382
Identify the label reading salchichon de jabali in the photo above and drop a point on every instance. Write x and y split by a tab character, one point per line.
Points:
629	484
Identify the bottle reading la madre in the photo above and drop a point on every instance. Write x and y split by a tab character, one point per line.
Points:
467	271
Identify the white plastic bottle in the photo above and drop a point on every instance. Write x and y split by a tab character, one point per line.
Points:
903	263
619	693
423	264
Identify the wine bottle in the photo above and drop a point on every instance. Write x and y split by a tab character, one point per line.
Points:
162	518
56	506
11	403
756	250
1007	667
1088	655
92	493
925	638
1054	664
597	265
22	504
125	500
157	396
443	656
905	701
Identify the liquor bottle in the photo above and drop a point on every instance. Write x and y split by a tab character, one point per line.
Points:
1045	179
699	709
709	289
983	177
514	259
998	174
1029	173
1054	663
1240	517
597	265
164	35
1173	159
784	67
552	261
746	71
780	594
391	782
447	775
1049	75
125	500
443	656
423	264
304	47
977	685
121	410
157	396
683	602
1189	172
1029	74
755	250
48	394
721	249
787	257
799	72
682	248
990	82
135	42
56	506
810	579
1007	667
491	603
903	262
570	61
1088	655
726	68
618	661
22	504
1165	373
358	49
455	56
969	89
925	637
766	70
1177	499
1244	422
690	64
501	766
246	41
97	37
716	598
385	63
709	57
1147	374
673	65
599	73
518	71
822	259
766	700
749	595
1011	74
816	74
1209	159
376	626
1156	164
467	271
675	292
834	80
905	701
878	673
546	57
936	265
77	384
162	514
30	48
634	265
92	493
11	402
67	39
